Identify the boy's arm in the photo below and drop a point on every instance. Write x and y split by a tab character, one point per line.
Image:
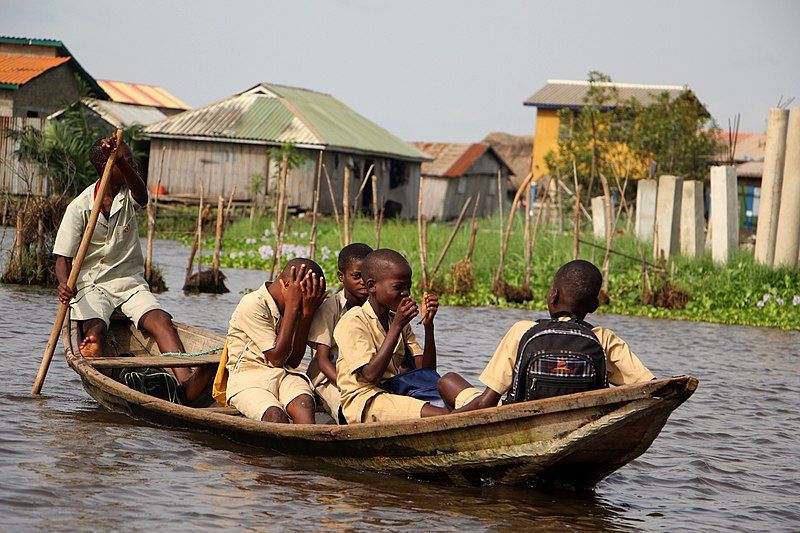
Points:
63	268
292	298
325	363
313	288
133	180
428	358
373	371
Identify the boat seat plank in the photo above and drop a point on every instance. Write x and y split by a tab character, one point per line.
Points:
152	361
222	410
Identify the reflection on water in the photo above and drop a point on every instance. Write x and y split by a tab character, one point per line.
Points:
726	458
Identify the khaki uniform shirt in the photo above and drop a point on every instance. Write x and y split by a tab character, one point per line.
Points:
114	259
359	334
253	330
321	331
623	366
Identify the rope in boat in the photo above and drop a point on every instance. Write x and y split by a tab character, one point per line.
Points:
195	354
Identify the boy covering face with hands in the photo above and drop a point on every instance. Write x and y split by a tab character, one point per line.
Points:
266	342
373	340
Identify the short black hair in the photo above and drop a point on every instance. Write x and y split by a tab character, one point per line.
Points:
379	261
358	251
97	157
297	262
579	282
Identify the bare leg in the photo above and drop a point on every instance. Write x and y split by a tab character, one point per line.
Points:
430	410
450	386
159	324
275	414
94	337
301	409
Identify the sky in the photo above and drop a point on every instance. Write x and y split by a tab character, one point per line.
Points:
433	70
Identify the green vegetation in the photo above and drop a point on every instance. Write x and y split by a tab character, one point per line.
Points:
741	293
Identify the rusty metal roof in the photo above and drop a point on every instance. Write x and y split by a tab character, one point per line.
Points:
452	160
120	115
141	94
19	70
558	94
277	114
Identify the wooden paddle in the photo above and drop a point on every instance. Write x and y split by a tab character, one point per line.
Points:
77	263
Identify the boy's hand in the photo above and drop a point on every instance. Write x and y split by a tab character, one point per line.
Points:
313	293
109	143
430	304
405	313
292	288
65	294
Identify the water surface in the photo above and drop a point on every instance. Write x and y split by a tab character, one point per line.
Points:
727	459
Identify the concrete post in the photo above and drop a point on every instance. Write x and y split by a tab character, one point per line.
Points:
599	217
692	219
771	182
724	213
668	215
787	240
646	194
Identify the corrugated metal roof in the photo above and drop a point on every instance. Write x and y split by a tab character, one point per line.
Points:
452	160
558	94
277	114
18	70
124	115
141	94
31	41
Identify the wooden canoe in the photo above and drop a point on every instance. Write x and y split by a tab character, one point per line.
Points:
573	440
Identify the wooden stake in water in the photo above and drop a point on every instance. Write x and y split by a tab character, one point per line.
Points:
312	243
346	204
452	237
217	242
333	204
152	206
77	263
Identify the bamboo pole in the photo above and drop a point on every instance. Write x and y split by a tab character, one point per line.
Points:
610	225
77	263
152	205
451	238
228	207
473	234
538	222
361	188
333	203
196	244
312	244
421	230
576	219
217	241
280	216
529	205
375	214
346	204
505	235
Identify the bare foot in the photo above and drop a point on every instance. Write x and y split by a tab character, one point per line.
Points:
91	347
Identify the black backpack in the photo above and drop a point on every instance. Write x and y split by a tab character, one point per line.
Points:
557	357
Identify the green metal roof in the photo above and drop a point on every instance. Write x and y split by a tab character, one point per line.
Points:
276	114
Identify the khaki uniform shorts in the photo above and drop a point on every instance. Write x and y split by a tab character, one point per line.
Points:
330	397
96	304
466	396
253	402
386	407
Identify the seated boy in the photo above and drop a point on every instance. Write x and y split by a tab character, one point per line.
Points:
112	274
322	369
574	291
267	340
373	339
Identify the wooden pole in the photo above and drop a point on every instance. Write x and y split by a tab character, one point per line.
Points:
421	230
196	243
228	207
576	219
610	225
346	204
473	235
505	235
333	204
375	214
527	234
356	202
312	245
217	241
77	263
152	205
451	238
280	216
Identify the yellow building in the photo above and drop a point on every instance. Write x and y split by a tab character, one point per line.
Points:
571	94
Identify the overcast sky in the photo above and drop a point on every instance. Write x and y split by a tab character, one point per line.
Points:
433	70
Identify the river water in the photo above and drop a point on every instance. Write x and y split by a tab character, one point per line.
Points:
727	459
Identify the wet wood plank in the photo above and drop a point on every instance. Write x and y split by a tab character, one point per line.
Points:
153	361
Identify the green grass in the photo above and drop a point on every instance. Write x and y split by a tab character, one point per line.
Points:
723	294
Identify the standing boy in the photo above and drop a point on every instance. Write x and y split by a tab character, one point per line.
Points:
372	341
573	293
267	340
322	369
112	274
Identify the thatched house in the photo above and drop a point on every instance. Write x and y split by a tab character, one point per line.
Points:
457	172
228	143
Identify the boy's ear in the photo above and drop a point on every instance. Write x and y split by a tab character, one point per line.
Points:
593	307
370	283
340	275
552	297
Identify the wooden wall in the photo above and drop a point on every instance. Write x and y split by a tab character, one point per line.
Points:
16	178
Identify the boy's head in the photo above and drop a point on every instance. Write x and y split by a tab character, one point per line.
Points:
575	288
98	159
351	270
387	275
311	266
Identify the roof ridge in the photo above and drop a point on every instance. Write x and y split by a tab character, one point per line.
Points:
619	84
